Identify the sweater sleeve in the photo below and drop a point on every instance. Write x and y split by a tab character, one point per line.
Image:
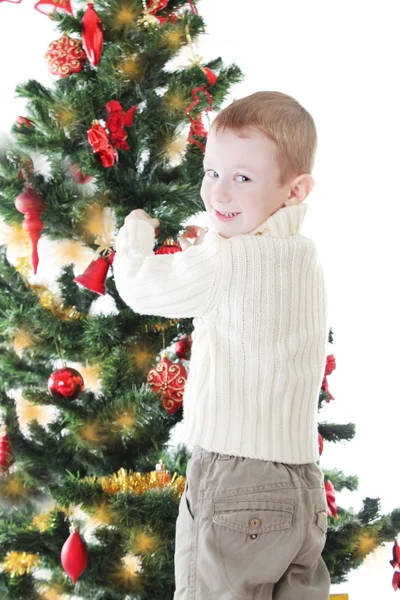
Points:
178	285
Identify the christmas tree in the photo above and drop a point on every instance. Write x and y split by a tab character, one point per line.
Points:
89	392
89	493
350	536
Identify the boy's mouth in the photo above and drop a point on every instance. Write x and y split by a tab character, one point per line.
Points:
228	216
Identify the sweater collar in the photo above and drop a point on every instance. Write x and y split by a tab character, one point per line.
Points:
284	222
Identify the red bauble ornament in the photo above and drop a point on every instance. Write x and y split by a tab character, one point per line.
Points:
6	451
65	56
320	444
183	347
66	383
169	247
74	555
95	275
331	510
31	205
92	35
168	379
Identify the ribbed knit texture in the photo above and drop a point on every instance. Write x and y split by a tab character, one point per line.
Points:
260	331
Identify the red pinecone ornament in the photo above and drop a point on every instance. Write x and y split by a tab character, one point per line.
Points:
168	380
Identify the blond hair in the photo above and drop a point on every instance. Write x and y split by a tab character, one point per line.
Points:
280	118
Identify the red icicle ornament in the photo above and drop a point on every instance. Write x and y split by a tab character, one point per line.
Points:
92	35
31	205
74	555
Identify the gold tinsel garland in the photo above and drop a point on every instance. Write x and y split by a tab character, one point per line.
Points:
19	563
137	483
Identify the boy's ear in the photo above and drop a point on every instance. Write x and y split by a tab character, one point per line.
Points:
299	190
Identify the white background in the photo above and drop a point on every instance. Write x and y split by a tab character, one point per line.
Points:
341	62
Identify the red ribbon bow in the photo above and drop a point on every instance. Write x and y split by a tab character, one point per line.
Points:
116	122
197	127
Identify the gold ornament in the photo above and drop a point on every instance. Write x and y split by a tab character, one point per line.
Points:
130	482
19	563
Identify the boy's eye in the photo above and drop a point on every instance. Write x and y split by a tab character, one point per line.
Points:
210	171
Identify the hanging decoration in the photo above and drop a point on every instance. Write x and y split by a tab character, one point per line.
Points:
169	247
23	120
6	451
101	144
329	368
95	275
66	383
74	554
31	205
320	444
117	121
331	499
65	56
197	127
104	140
183	347
92	35
168	380
163	476
396	566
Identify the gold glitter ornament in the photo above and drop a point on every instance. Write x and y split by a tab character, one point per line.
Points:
130	482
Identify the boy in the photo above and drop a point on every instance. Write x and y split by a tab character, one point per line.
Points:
252	520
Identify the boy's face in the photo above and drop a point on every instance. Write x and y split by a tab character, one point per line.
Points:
241	176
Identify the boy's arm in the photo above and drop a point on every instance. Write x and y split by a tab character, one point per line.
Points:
183	284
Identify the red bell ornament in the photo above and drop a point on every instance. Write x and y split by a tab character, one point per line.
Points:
92	35
95	275
74	555
31	205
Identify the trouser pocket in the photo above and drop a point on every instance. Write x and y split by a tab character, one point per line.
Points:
250	536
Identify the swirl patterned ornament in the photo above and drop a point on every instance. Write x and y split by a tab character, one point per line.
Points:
168	380
65	56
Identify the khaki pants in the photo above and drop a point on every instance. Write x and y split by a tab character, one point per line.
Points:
250	529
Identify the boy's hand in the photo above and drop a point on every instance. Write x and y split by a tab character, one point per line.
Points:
139	213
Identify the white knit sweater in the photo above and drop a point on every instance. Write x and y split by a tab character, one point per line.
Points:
259	304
